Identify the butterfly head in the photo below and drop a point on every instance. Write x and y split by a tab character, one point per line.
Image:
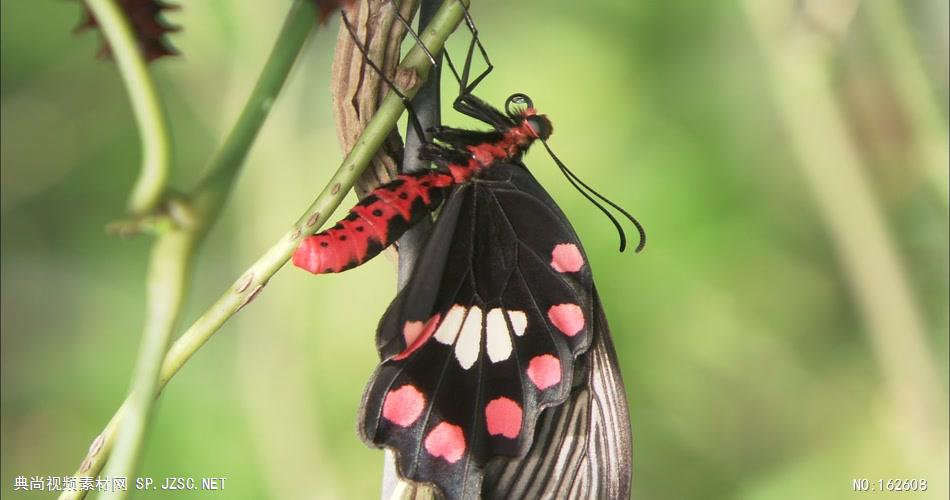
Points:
520	109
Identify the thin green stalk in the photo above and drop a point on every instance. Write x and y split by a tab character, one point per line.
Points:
171	259
255	277
212	191
175	249
146	106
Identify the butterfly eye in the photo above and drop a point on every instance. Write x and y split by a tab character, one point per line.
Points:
514	103
540	125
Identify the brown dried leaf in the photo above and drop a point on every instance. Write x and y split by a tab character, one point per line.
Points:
356	87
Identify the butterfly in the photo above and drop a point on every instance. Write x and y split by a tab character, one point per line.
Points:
496	356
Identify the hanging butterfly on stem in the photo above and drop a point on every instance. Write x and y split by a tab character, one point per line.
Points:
498	378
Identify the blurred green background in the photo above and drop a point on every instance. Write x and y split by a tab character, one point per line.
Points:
759	360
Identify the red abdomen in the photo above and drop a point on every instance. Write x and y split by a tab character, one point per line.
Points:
374	223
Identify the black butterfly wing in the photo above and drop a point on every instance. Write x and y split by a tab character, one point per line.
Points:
484	336
582	449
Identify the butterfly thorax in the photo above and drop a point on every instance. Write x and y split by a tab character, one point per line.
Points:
508	145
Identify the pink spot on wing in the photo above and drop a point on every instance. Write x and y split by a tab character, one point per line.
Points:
415	334
569	318
446	441
504	417
544	371
567	258
404	405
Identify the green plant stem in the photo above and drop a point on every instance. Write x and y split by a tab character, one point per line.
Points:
256	276
212	191
171	258
146	106
175	249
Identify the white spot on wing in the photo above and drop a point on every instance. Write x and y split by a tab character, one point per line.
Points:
519	321
449	329
497	337
470	338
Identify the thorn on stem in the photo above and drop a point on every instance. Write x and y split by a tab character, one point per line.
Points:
251	296
406	78
244	282
312	220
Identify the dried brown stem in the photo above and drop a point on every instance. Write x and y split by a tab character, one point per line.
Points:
357	89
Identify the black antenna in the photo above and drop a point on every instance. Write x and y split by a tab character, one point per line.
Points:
577	182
